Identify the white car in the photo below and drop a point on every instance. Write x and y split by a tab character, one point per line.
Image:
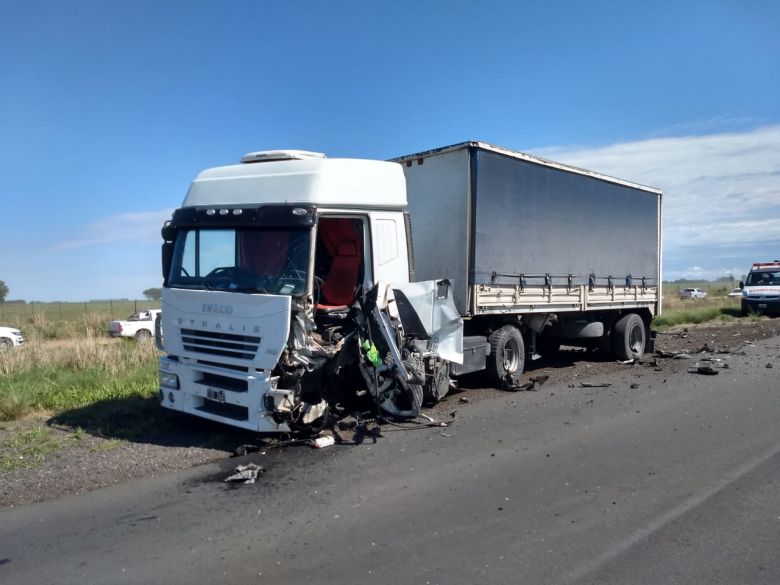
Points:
693	293
735	292
10	337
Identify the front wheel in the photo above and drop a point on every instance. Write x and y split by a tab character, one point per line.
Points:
5	343
507	353
629	337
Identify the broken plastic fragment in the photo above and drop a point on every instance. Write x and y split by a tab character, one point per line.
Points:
324	441
706	370
245	474
372	353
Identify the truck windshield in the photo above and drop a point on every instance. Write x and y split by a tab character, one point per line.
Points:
763	278
264	260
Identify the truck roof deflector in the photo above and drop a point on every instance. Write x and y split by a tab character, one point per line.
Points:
276	155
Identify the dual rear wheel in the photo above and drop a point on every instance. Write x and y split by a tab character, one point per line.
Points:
507	349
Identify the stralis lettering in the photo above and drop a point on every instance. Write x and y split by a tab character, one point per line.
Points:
217	309
217	326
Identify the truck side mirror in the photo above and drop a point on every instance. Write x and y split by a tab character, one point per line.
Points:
741	284
167	257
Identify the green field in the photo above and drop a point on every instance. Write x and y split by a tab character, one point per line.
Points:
39	321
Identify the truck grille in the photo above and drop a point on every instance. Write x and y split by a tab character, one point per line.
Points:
243	347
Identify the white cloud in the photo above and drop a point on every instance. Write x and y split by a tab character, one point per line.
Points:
720	190
140	227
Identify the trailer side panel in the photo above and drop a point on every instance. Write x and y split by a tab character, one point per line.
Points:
534	220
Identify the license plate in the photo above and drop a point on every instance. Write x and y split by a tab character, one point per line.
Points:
762	305
215	395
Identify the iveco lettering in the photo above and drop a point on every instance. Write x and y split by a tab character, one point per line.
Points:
218	309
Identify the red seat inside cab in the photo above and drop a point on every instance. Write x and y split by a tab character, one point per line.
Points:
342	242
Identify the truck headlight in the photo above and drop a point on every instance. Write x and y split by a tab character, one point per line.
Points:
744	293
168	380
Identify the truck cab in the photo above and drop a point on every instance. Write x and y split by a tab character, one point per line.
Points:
265	267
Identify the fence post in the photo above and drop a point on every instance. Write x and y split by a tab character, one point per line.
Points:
111	307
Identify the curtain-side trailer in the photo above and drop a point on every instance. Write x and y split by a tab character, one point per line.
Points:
539	253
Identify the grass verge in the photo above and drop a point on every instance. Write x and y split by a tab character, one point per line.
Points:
64	377
693	315
27	448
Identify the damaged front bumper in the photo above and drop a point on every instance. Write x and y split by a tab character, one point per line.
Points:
237	398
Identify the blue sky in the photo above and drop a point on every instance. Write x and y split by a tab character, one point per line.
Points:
109	109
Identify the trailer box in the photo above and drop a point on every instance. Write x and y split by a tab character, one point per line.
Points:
519	234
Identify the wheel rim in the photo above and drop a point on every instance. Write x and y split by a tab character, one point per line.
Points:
636	339
511	356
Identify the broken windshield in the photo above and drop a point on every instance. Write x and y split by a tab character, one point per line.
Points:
264	260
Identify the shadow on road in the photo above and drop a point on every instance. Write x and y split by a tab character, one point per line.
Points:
142	420
566	357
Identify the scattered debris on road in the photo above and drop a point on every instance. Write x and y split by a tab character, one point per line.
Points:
705	370
513	383
675	355
595	384
323	441
245	474
242	450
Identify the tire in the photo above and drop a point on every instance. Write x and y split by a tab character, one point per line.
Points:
629	338
5	343
143	335
507	353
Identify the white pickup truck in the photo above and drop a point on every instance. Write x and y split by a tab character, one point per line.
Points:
139	325
10	337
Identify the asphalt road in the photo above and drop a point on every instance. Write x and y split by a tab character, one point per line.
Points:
674	481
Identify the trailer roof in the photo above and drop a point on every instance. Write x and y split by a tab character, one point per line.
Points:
526	157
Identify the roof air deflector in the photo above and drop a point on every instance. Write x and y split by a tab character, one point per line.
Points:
276	155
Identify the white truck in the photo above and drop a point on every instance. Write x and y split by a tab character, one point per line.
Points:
294	282
139	325
761	289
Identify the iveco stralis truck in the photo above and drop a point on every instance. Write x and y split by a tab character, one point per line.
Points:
293	281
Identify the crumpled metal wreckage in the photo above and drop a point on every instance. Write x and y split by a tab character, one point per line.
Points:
402	340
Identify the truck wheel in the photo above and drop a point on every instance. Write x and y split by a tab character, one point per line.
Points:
507	353
5	343
629	337
143	334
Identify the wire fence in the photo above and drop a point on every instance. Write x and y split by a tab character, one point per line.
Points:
15	313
